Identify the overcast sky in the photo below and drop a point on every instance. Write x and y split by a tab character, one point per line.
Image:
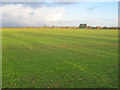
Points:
59	14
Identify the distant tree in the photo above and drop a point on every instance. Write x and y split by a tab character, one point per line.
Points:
53	26
104	27
82	25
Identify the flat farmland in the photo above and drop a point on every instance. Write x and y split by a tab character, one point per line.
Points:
59	58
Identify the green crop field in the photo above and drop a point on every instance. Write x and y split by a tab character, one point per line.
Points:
59	58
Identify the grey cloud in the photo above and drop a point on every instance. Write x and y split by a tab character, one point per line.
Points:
40	4
95	7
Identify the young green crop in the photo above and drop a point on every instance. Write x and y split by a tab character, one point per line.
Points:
59	58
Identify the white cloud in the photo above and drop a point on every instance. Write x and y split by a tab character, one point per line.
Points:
27	16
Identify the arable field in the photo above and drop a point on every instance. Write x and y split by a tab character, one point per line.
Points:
59	58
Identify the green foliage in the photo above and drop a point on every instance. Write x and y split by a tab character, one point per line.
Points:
55	58
82	25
